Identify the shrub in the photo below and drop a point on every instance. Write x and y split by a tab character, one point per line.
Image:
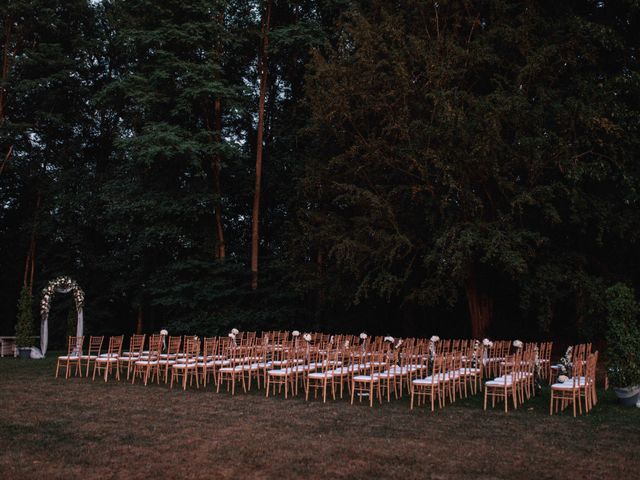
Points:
24	324
623	336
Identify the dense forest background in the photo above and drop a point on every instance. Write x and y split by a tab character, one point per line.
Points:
452	167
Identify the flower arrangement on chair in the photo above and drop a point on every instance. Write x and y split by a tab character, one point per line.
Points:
363	337
474	359
566	366
432	347
518	344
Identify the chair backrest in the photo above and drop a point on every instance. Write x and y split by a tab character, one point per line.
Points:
209	347
115	346
155	346
173	347
136	343
437	368
95	345
75	345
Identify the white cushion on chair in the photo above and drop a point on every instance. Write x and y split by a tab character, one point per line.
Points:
365	378
425	381
183	365
106	360
568	385
147	362
320	375
89	357
499	382
69	357
280	372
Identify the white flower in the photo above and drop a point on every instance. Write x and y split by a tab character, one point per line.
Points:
517	344
363	336
435	339
486	342
164	332
307	337
331	340
562	378
232	335
389	338
346	344
235	331
400	342
295	333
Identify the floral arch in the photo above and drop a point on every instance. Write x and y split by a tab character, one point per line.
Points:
59	285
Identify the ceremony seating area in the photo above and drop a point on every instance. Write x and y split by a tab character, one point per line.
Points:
365	369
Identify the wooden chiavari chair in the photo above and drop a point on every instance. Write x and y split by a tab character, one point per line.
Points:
368	382
109	361
206	362
567	392
234	371
429	386
323	376
95	346
73	358
283	376
472	366
185	368
128	358
503	387
168	359
148	365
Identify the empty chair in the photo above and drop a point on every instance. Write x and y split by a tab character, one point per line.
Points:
109	361
95	346
72	358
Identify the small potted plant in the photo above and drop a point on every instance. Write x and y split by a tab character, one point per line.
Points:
623	343
24	325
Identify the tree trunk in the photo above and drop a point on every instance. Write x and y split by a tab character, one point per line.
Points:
30	261
255	218
140	321
480	309
215	169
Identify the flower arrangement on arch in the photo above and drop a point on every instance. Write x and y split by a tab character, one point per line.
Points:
60	284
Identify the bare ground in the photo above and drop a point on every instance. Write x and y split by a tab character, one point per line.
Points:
55	428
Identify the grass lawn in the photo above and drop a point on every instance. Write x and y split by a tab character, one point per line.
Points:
55	428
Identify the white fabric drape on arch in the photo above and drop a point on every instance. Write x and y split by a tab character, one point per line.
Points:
44	330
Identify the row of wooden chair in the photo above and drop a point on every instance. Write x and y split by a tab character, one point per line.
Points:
376	368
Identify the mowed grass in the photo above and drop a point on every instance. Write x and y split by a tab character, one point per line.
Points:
56	428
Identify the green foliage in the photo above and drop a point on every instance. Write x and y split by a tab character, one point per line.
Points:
24	323
413	150
480	143
623	336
